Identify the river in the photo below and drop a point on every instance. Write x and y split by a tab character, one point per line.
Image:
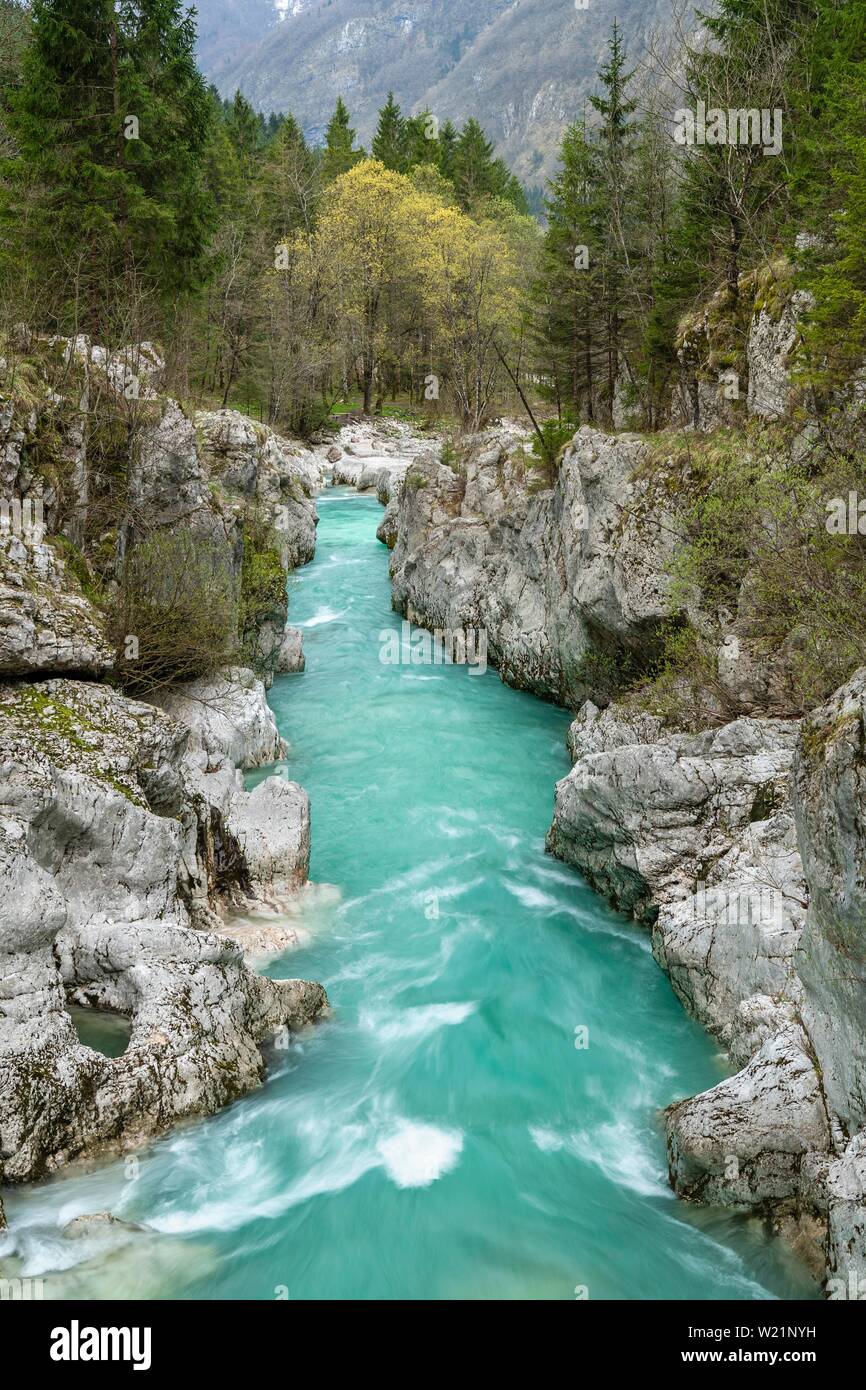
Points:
480	1117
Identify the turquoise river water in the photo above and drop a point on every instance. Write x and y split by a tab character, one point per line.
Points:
442	1137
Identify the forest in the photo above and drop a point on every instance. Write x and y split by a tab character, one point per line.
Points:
295	282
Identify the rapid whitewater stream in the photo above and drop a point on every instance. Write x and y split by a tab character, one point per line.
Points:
442	1136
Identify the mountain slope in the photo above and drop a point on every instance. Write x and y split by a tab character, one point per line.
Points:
521	67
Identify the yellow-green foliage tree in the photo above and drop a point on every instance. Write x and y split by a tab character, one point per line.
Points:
410	280
469	284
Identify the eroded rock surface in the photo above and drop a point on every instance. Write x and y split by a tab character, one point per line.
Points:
47	625
114	840
741	848
552	574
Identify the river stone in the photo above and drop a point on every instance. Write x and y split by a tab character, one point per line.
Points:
97	1223
291	658
386	531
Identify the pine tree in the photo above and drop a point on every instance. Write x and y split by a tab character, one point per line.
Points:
389	142
340	153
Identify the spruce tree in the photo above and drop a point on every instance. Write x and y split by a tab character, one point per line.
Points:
340	153
389	142
245	131
107	195
473	165
422	145
566	296
447	150
615	137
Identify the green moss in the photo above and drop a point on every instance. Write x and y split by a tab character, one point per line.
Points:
817	737
771	287
263	585
78	566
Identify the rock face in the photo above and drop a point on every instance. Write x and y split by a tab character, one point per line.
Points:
757	1138
736	358
228	717
216	474
247	460
742	848
769	346
126	833
46	623
830	801
568	581
120	832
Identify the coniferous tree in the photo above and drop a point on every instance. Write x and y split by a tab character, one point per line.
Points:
447	150
340	153
614	147
244	126
389	142
111	126
473	165
421	141
566	295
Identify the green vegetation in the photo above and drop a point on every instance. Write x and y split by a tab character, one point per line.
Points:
263	587
643	232
174	615
755	514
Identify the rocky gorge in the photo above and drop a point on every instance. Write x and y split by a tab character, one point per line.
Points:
130	844
739	845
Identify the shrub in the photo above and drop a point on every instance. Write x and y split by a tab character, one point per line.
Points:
174	616
547	447
263	589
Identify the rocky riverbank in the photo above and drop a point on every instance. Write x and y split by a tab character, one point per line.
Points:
127	838
740	846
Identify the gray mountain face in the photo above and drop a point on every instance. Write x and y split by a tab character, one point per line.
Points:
524	68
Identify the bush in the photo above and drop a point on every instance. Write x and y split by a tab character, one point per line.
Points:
174	616
547	447
752	510
263	589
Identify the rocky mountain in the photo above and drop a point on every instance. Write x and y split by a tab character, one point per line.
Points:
524	68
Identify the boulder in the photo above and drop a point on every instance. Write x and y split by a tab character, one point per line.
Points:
291	657
228	717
